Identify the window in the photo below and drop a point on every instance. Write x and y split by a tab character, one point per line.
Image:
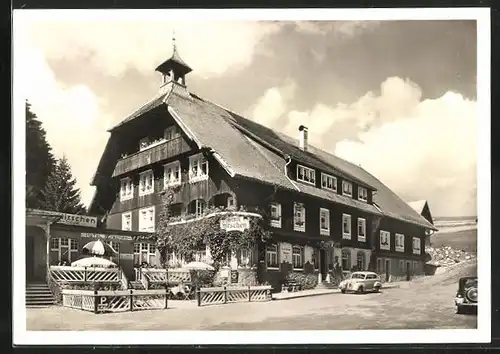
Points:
197	208
144	253
299	217
147	219
346	260
347	188
245	257
116	246
415	267
361	229
127	221
324	221
231	203
175	210
363	194
385	240
172	174
306	174
171	132
272	256
346	226
126	189
66	250
416	245
360	260
146	183
400	243
297	257
275	215
328	182
198	168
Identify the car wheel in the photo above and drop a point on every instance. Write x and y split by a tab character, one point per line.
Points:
458	310
376	289
361	290
342	291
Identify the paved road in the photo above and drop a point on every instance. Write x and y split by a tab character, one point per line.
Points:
416	307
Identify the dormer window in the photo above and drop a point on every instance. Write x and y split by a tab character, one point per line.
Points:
306	174
171	132
347	188
172	174
328	182
198	168
362	194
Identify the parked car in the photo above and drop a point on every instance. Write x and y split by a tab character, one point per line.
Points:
361	282
466	296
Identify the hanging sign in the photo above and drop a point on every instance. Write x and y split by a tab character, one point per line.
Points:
234	223
78	220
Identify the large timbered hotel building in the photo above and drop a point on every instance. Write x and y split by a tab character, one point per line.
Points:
323	209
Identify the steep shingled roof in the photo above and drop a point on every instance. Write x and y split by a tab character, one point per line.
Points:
250	150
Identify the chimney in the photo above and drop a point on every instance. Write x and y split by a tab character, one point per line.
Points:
303	138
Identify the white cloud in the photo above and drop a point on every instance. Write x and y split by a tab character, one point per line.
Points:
71	116
344	29
114	46
420	149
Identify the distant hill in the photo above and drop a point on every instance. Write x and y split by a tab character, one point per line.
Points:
460	239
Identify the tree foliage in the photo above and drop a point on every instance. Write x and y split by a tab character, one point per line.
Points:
184	237
39	159
60	193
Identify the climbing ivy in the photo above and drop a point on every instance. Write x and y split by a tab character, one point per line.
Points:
174	234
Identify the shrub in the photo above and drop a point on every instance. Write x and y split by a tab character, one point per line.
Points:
306	281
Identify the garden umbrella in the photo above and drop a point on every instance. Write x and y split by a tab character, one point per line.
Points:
198	266
99	248
93	262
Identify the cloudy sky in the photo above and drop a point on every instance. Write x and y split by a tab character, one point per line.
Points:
397	97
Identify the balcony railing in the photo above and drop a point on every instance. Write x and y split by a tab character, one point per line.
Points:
151	155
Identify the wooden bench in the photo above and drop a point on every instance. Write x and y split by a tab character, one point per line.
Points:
290	287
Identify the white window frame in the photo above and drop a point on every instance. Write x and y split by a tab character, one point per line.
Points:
298	256
197	161
399	246
325	178
173	131
346	183
415	250
148	212
386	235
69	242
276	222
361	222
363	194
299	224
346	235
124	218
271	253
306	171
144	189
126	189
231	201
148	251
169	179
246	258
116	246
326	213
199	207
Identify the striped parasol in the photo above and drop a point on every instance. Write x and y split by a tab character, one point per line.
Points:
94	262
99	248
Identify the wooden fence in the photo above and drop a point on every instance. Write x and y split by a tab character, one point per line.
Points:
150	276
70	274
225	295
115	301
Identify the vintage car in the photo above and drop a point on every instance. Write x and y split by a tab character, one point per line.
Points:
360	282
466	296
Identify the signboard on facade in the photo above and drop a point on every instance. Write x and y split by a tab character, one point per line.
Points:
234	276
234	223
128	256
286	252
78	220
106	237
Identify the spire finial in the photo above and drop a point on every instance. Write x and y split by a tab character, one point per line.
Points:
173	39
